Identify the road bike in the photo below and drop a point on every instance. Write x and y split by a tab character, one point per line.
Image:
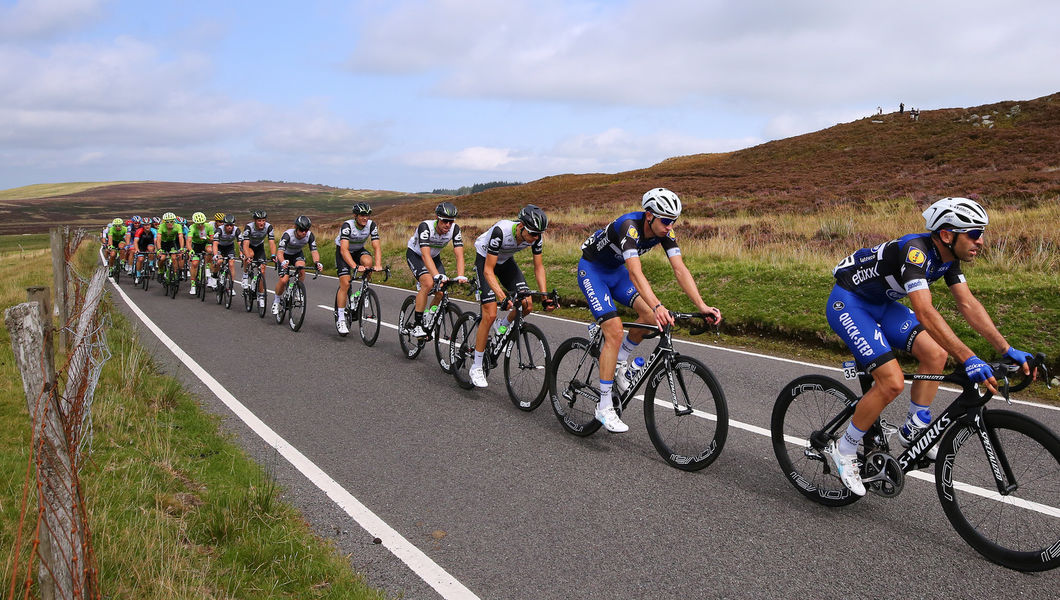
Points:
168	275
254	292
144	276
200	275
224	287
293	301
362	306
524	346
997	472
438	321
685	411
119	265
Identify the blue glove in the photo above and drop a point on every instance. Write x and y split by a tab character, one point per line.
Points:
1019	356
977	370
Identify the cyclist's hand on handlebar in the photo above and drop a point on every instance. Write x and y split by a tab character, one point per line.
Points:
662	316
1021	358
980	372
461	279
320	267
549	303
440	278
283	264
712	314
504	303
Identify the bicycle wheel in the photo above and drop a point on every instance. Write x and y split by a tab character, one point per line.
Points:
1019	530
686	415
526	362
115	271
462	349
261	296
444	326
371	319
227	291
410	346
200	281
803	407
297	308
219	291
574	386
145	279
174	284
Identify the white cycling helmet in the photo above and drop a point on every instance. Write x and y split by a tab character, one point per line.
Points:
956	214
662	203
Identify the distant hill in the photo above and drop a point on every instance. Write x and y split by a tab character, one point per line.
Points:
1008	152
33	209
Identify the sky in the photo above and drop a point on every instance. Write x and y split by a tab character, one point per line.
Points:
414	95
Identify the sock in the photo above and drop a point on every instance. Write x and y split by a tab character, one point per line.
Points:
913	408
625	349
417	318
342	313
477	364
605	394
848	444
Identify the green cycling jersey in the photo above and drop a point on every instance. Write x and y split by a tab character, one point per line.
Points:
167	234
201	233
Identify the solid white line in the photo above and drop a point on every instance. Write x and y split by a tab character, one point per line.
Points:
428	570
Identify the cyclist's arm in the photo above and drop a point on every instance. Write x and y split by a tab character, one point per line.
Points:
539	273
975	313
937	326
378	248
688	284
459	250
636	275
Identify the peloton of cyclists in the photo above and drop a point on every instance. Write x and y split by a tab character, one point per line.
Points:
499	276
610	270
424	260
863	309
351	255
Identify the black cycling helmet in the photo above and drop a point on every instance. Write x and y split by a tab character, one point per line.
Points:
446	210
230	219
260	214
362	208
302	223
533	218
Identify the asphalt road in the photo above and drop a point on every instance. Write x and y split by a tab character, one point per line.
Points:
511	506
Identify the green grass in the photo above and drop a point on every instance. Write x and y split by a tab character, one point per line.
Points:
21	244
48	190
177	510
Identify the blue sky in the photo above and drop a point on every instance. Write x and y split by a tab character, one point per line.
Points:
414	95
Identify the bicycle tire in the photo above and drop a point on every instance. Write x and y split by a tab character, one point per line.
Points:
526	363
297	309
200	281
371	319
174	284
574	381
1021	530
219	291
228	290
803	407
444	326
691	441
462	349
410	346
145	279
261	296
115	272
345	317
282	312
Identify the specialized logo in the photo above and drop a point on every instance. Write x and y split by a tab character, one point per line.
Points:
916	257
838	305
932	434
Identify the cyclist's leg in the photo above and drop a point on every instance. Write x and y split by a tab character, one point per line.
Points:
423	280
903	330
343	270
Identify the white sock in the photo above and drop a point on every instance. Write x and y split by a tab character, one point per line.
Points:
605	394
848	444
625	349
477	363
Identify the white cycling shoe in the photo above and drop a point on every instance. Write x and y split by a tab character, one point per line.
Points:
847	467
341	324
478	377
609	417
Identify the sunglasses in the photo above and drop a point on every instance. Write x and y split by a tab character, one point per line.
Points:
446	221
973	234
666	222
531	233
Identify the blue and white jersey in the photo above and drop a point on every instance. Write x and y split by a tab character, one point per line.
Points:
501	241
893	269
624	238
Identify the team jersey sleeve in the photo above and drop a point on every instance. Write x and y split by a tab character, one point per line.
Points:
373	230
954	275
538	245
495	241
669	244
283	242
312	241
458	239
423	234
344	233
270	233
912	274
630	239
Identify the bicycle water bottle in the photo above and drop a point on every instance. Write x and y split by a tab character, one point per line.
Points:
633	371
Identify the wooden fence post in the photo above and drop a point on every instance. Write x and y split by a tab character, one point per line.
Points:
59	275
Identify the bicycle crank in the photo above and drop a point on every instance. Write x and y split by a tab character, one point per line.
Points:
882	475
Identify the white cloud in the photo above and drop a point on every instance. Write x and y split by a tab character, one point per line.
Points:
28	19
775	53
476	158
313	129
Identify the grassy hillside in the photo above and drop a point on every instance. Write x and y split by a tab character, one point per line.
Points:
48	190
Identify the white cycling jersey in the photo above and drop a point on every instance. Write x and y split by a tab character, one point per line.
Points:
501	241
427	235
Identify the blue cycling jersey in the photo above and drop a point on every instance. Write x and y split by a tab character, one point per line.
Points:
893	269
623	238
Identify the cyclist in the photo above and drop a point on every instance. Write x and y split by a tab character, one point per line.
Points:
291	243
423	257
224	244
132	225
169	238
498	273
350	254
863	310
252	241
143	242
199	236
114	237
610	269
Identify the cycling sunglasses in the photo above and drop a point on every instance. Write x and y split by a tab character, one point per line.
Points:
446	221
666	222
973	234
